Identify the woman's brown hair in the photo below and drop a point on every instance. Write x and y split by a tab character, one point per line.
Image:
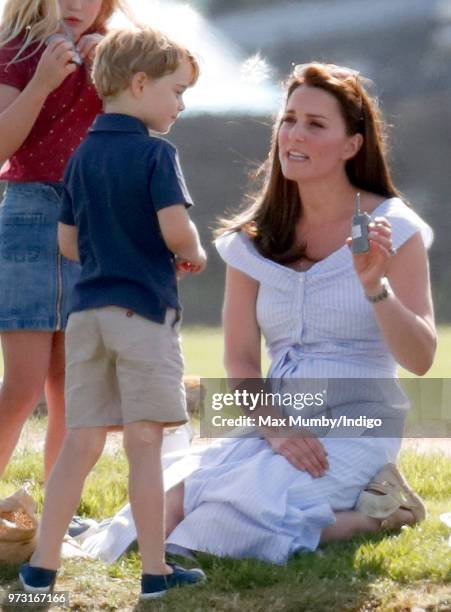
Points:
272	216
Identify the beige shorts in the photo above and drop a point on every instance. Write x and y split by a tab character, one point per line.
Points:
121	368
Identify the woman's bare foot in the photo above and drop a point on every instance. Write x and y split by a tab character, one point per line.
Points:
353	522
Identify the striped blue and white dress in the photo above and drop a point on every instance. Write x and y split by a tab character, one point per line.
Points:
246	501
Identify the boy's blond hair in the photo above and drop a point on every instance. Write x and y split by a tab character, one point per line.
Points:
125	52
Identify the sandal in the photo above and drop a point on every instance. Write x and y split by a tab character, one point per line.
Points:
386	495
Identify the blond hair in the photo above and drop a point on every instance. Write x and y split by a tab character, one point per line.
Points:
125	52
36	20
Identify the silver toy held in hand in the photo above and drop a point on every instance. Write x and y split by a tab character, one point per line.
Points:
360	222
67	36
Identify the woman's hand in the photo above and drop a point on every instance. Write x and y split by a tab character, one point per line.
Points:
305	453
372	266
87	44
54	66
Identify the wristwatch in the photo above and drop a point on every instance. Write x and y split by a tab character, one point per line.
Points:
386	291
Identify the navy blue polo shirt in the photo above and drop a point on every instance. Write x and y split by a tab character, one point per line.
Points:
114	184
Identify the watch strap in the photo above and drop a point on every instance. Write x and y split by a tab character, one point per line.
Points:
382	295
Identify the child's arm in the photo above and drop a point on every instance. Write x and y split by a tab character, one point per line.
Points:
181	236
68	241
20	109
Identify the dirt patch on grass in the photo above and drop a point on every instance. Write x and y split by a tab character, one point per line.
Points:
33	437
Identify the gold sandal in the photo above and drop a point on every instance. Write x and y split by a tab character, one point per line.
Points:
386	495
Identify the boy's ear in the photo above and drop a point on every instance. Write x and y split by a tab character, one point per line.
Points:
137	83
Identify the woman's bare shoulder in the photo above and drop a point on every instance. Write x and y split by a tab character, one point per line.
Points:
371	201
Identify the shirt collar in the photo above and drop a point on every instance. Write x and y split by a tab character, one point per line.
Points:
117	122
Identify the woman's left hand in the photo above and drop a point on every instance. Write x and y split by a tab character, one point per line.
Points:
87	44
372	266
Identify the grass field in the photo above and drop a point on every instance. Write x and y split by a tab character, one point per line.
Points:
203	348
406	571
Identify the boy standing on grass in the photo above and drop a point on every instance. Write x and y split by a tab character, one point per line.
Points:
124	216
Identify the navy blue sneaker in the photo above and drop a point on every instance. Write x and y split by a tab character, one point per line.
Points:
153	586
36	579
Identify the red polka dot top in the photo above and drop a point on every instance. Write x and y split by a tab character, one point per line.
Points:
61	125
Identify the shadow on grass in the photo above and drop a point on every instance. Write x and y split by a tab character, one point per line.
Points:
347	577
326	580
337	577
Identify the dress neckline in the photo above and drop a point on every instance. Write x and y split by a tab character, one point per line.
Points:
342	251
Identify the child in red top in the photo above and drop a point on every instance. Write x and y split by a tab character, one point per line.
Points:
47	103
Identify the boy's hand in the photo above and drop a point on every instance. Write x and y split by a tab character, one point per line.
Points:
192	266
180	269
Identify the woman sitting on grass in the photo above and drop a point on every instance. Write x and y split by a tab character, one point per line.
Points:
326	313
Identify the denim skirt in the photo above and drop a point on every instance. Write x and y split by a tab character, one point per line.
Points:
35	279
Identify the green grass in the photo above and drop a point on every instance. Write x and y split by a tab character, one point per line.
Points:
442	362
378	572
203	349
400	572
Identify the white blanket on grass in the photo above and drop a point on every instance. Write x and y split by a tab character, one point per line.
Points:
113	536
